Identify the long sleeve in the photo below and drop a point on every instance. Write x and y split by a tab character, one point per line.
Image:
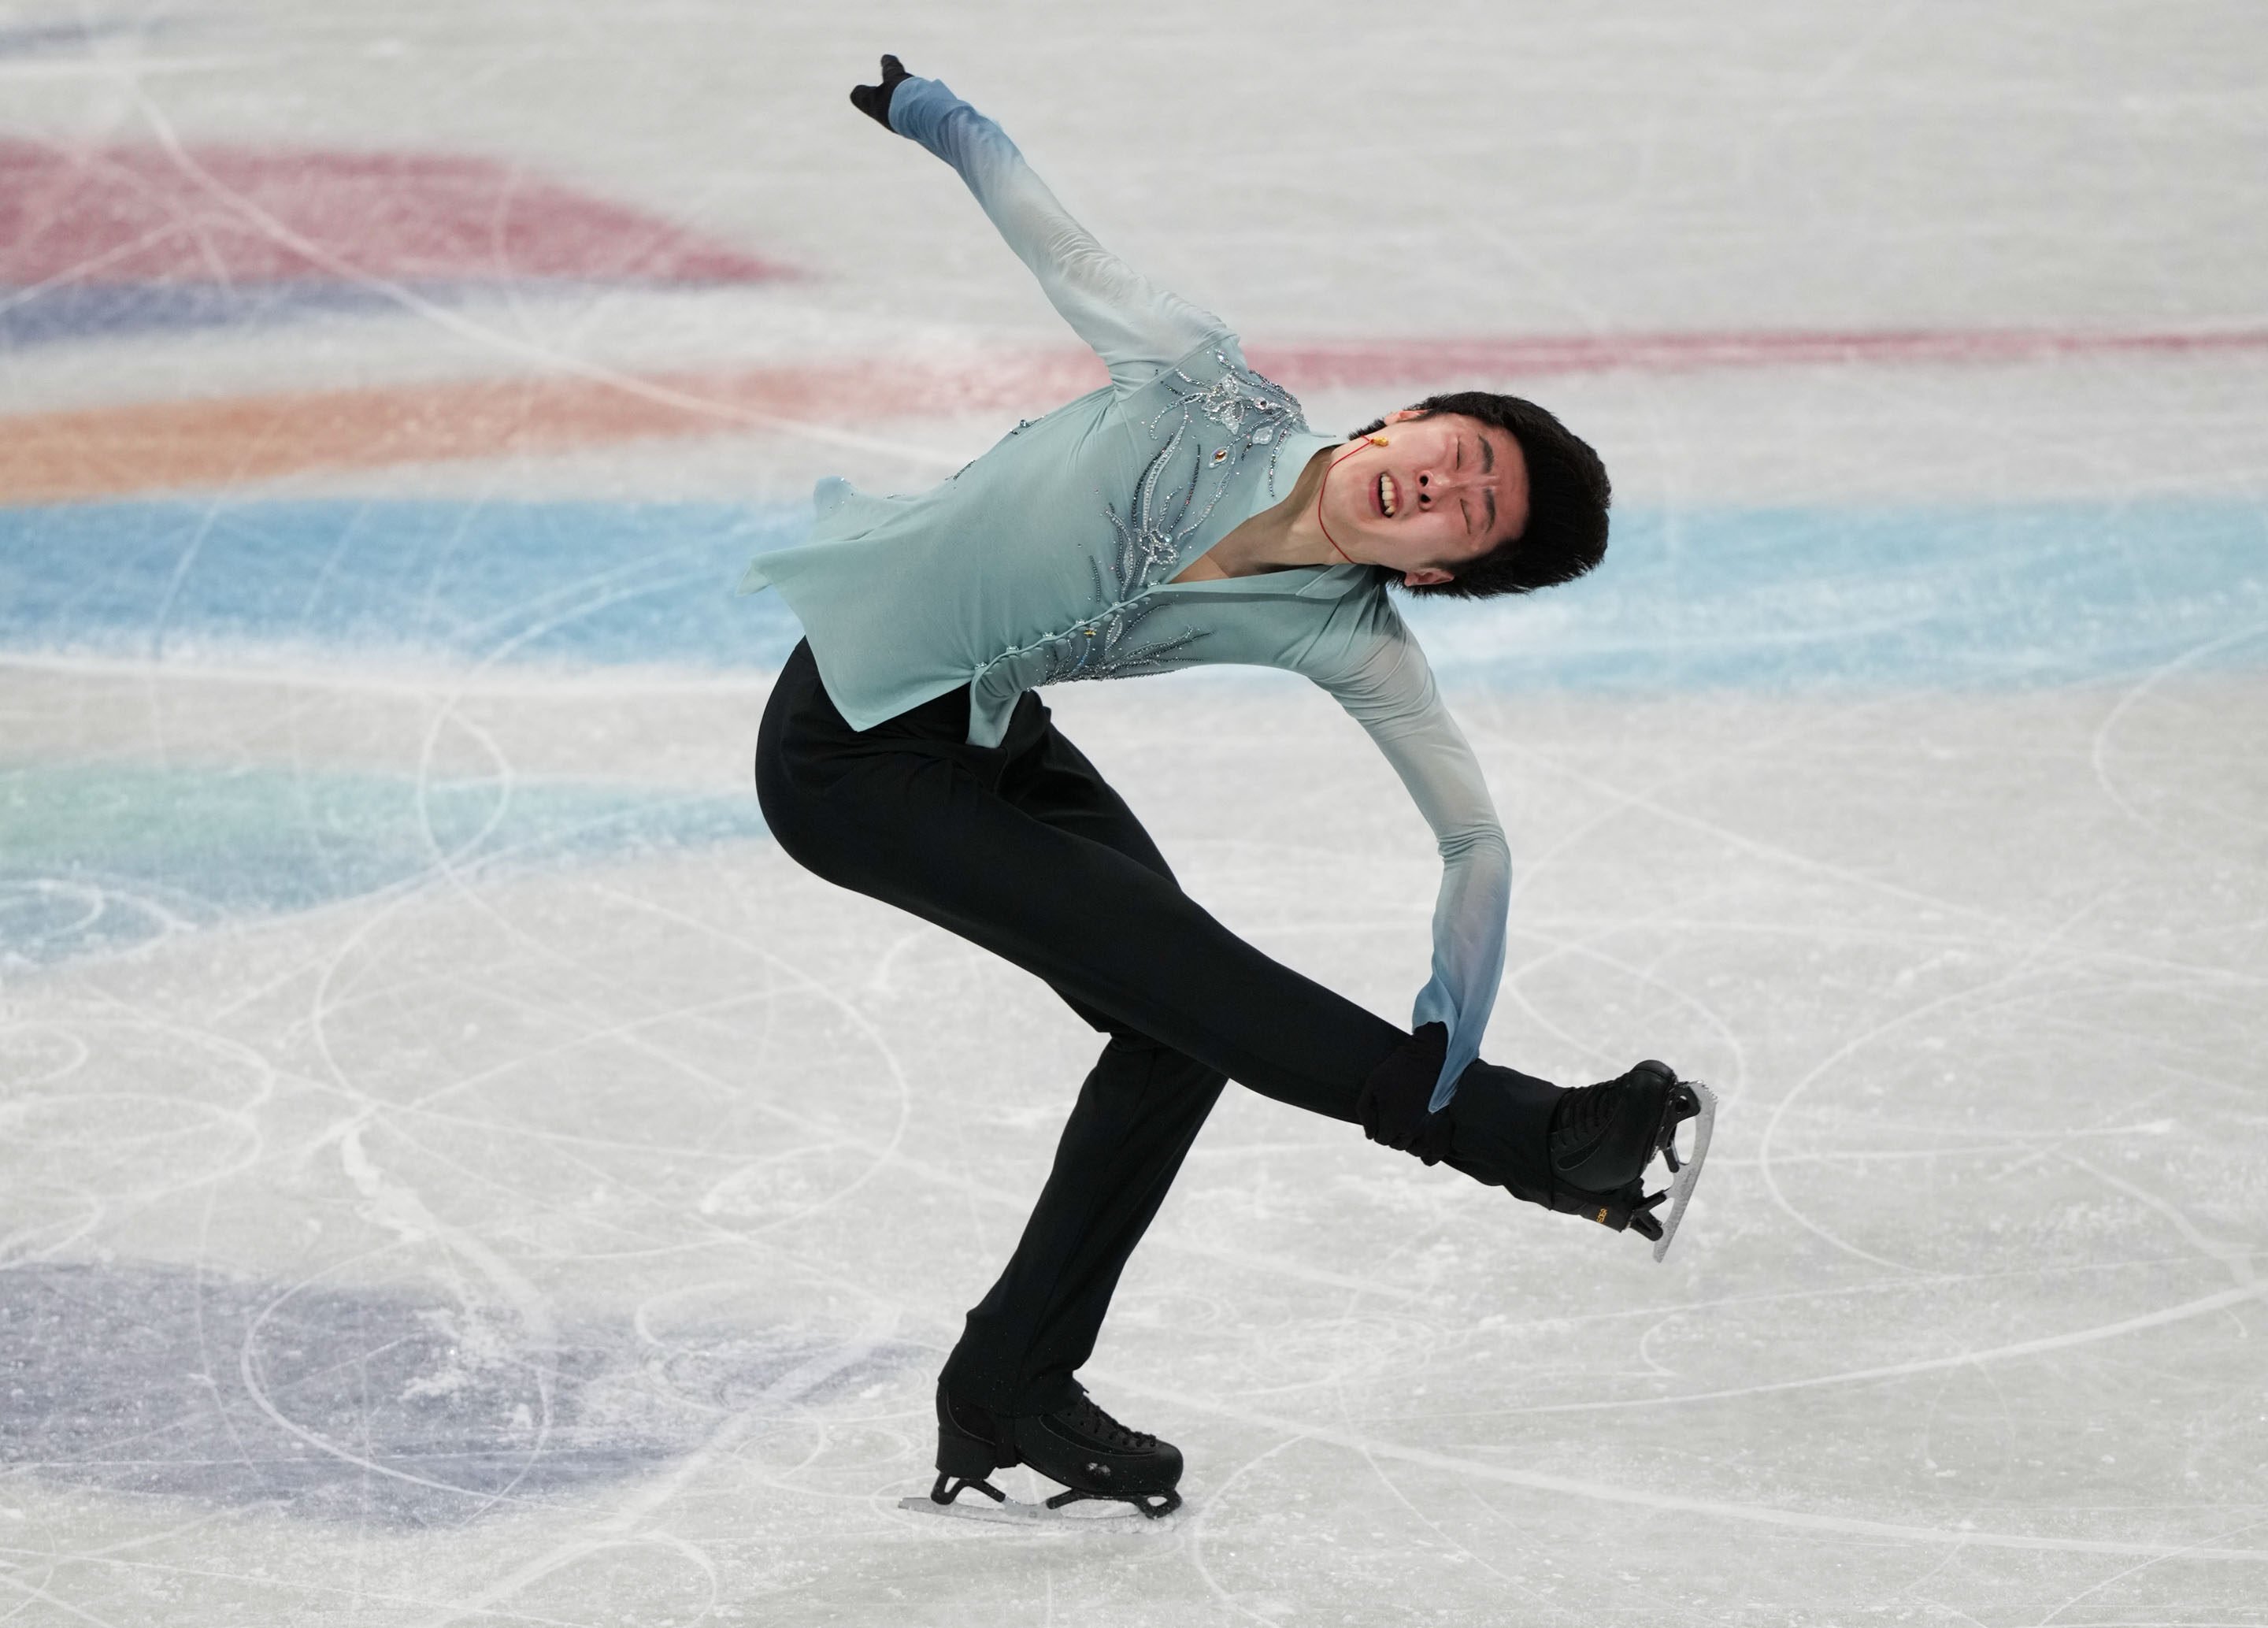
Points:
1136	328
1392	694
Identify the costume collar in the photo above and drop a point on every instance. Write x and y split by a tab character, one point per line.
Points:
1306	582
1299	449
1333	582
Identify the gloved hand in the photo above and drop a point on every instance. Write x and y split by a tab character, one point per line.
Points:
873	100
1393	1103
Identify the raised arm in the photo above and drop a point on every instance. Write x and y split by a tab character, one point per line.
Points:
1135	328
1392	694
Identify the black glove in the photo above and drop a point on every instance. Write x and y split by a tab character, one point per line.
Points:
1393	1103
873	100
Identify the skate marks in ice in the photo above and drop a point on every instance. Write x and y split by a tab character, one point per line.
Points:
405	1407
1067	1510
1685	1168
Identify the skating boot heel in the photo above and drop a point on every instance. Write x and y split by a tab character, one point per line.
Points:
968	1450
965	1457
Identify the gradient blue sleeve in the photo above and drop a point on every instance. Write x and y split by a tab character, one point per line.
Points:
1135	328
1391	693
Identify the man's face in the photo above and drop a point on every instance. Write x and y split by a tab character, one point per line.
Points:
1442	491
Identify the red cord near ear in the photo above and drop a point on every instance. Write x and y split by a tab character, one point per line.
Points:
1375	440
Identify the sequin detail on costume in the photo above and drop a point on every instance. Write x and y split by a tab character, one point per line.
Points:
1166	511
1254	410
1102	649
1149	547
1239	397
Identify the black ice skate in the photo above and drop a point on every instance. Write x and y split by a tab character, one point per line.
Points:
1093	1456
1603	1137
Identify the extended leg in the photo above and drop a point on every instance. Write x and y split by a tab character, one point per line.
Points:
932	833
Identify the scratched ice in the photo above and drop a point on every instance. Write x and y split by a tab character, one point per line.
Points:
453	1170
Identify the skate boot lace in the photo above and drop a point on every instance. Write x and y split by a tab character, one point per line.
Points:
1091	1420
1581	1118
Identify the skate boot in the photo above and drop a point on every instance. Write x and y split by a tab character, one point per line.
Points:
1603	1137
1090	1452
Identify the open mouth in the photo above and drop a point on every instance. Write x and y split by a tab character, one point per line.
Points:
1389	495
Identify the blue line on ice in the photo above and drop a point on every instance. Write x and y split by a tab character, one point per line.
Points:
1770	599
100	857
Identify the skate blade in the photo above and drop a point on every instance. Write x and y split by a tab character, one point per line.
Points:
1017	1512
1690	1172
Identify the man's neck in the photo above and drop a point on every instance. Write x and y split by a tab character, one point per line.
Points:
1284	537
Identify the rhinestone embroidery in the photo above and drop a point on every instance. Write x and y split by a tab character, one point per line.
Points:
1161	518
1106	652
1255	410
1148	549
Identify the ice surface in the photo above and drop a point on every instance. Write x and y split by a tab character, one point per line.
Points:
453	1170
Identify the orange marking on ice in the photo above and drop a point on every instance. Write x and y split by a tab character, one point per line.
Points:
143	447
158	447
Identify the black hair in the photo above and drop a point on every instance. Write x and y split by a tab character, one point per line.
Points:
1567	496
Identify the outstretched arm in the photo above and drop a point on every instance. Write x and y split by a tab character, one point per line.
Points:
1135	328
1392	694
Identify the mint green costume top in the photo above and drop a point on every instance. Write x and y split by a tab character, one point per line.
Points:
1050	557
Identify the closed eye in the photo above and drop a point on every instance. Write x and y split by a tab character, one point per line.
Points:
1488	467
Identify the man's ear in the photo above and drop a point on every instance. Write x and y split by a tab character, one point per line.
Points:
1403	415
1424	577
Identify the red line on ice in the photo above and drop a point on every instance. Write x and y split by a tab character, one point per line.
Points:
222	215
1316	367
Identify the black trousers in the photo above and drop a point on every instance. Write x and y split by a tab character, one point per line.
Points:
1024	849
